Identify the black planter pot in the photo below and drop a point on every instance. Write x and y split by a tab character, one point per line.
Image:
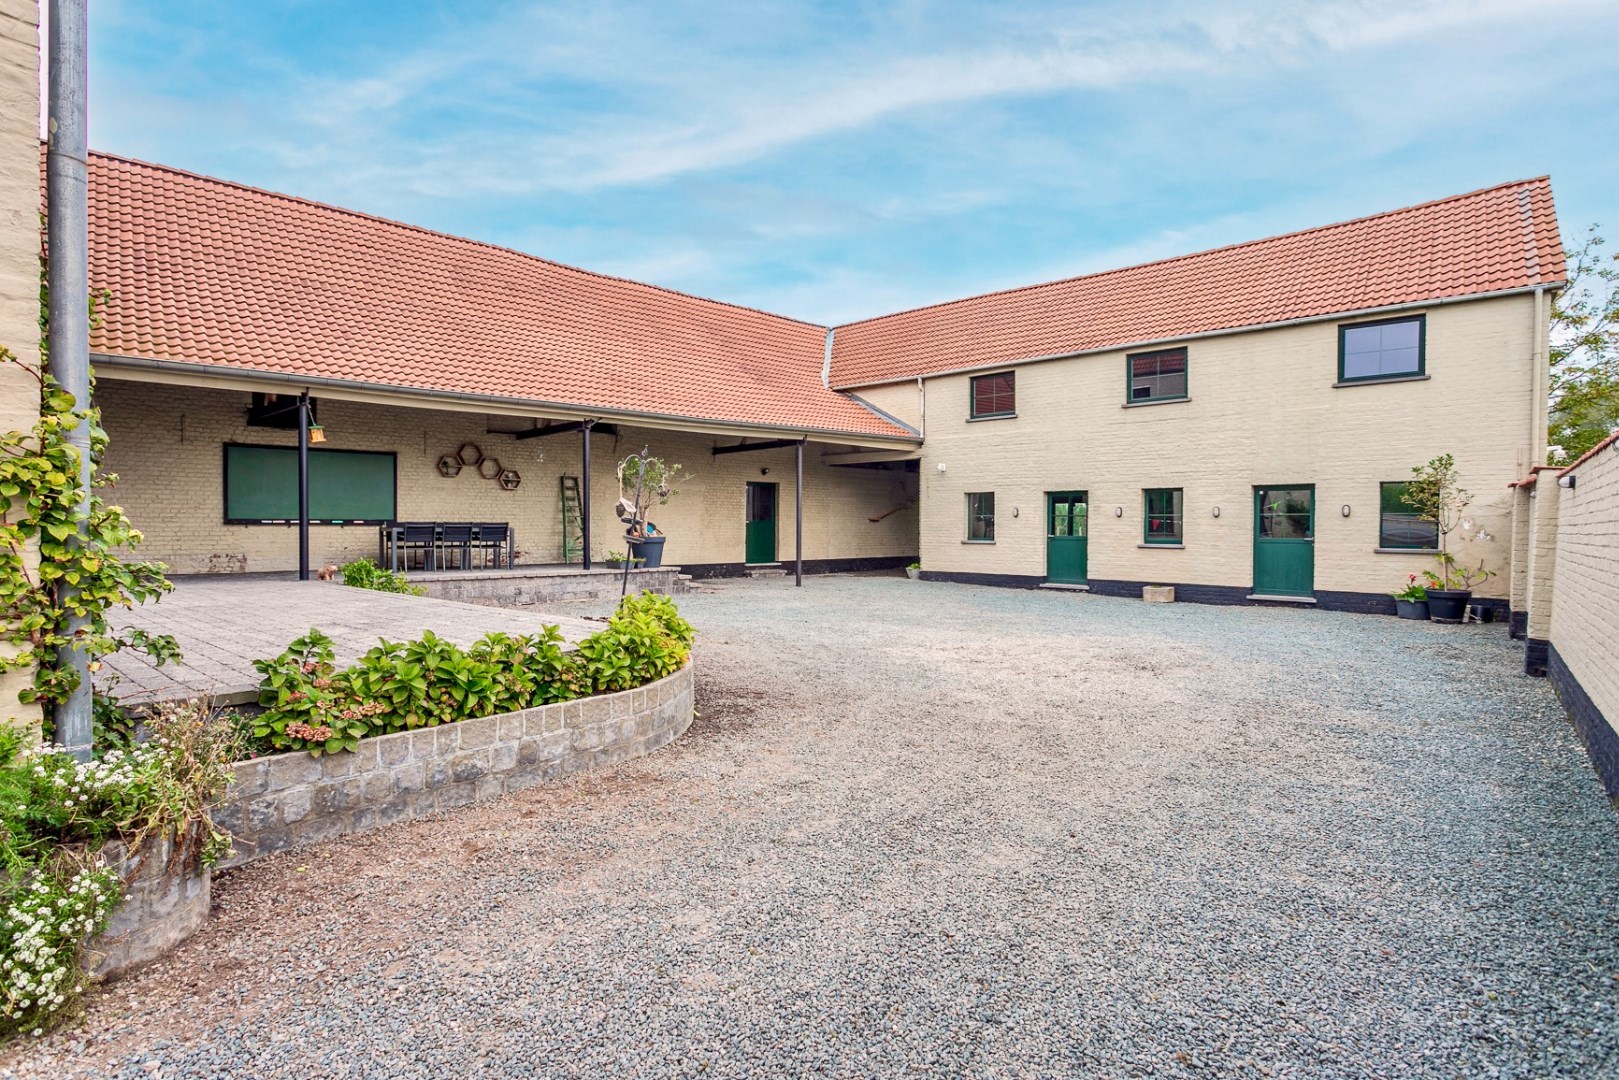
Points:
1412	609
1448	605
649	548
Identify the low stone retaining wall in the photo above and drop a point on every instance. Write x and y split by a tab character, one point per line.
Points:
540	586
166	900
292	800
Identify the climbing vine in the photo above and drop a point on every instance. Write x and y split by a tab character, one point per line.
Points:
79	573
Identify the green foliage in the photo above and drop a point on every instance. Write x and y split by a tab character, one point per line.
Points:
1454	575
1414	590
79	575
618	558
366	574
1585	351
56	814
310	705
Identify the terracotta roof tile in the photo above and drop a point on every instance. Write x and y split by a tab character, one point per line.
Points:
202	271
1496	239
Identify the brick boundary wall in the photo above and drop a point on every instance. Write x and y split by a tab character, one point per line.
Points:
1598	736
292	800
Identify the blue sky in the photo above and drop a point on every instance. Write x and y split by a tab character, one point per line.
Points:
832	161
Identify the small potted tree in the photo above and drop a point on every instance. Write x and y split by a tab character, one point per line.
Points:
1436	495
643	482
1411	602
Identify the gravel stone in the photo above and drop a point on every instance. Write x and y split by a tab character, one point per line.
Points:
927	829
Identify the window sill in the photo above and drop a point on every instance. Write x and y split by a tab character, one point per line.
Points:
1379	380
1155	401
978	541
992	416
1405	551
1162	547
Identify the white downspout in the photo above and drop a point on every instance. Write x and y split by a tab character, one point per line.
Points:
1540	382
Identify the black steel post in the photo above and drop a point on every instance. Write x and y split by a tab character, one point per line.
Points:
303	486
798	517
584	492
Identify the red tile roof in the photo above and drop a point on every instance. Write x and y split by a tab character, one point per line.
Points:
212	273
1497	239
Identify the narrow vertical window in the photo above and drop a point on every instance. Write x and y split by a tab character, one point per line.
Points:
1157	376
981	517
994	395
1162	511
1398	524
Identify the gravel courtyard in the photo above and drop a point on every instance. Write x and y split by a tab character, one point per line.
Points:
928	829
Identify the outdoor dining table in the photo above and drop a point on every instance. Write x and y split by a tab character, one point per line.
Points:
391	550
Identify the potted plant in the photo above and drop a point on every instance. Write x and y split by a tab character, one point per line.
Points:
914	571
618	558
645	481
1411	602
1436	495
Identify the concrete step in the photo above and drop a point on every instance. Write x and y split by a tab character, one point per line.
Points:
1060	587
765	570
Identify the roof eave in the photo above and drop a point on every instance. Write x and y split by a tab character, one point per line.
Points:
180	373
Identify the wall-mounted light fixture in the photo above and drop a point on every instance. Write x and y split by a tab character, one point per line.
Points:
1014	511
1118	511
764	472
1344	509
1216	511
940	466
1566	481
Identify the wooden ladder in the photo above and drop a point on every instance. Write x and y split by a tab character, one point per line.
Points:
573	531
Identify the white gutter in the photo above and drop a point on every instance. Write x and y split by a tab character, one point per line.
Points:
145	369
1159	342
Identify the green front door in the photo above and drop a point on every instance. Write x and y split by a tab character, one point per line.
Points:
1284	540
761	544
1065	537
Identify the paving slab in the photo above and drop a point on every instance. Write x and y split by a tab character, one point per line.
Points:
223	624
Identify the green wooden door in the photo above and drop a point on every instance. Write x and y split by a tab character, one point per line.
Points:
1065	537
761	543
1284	540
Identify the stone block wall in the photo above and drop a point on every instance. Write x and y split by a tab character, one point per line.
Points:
292	800
166	899
515	587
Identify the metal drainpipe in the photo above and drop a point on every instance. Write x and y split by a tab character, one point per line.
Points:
1539	383
303	486
68	276
798	516
584	495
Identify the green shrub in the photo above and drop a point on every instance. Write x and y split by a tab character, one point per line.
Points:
366	574
56	813
310	705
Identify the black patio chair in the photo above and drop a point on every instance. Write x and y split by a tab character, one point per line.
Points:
492	539
418	537
456	537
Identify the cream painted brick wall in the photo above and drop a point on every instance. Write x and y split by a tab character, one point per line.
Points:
19	247
1262	410
903	401
1542	583
1522	520
1585	602
165	445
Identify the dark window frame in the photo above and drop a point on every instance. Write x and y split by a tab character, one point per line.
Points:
1158	354
976	515
1383	541
1386	376
1011	393
225	485
1177	514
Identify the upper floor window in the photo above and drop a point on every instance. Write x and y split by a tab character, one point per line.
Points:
1398	523
981	516
1162	524
994	395
1388	348
1157	376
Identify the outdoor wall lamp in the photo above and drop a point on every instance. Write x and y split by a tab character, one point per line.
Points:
764	472
940	466
1216	511
1014	511
1566	481
1344	509
1118	511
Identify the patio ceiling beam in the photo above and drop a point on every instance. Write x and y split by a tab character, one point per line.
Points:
768	444
563	429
